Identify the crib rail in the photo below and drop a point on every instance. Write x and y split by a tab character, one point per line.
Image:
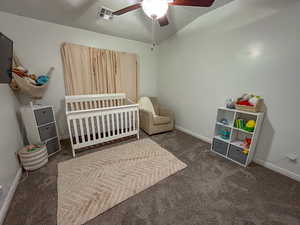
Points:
86	102
97	126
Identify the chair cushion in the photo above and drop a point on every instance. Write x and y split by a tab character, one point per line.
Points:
146	104
159	120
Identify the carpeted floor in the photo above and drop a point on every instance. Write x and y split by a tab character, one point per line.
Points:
210	191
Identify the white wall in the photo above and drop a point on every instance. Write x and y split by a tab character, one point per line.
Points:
244	47
10	138
37	44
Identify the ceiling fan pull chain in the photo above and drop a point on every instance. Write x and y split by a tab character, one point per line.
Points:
153	27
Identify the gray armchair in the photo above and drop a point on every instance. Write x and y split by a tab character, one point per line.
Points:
161	122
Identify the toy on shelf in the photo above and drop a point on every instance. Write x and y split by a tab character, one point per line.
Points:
224	121
239	123
247	143
247	126
230	104
249	102
224	133
250	126
245	151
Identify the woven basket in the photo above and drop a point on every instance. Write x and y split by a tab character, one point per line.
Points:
256	108
33	160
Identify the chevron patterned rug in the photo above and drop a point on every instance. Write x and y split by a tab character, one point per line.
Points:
89	185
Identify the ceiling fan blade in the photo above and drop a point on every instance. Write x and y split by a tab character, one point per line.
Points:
163	21
199	3
127	9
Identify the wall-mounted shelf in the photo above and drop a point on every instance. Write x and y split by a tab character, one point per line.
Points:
232	147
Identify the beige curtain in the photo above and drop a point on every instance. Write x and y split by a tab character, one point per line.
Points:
95	71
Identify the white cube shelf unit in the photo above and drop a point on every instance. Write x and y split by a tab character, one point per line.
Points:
232	147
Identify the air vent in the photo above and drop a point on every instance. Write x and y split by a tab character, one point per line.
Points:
105	13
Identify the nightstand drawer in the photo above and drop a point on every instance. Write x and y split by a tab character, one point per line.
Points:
47	131
52	146
43	116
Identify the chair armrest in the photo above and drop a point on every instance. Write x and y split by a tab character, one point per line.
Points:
146	116
166	112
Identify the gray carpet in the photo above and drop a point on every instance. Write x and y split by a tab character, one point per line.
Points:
210	191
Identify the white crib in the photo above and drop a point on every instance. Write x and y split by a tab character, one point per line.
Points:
94	119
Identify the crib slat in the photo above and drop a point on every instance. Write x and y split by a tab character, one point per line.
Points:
71	106
130	122
138	124
118	123
70	130
98	126
81	130
122	123
103	125
87	126
93	128
108	125
113	123
126	121
133	122
75	125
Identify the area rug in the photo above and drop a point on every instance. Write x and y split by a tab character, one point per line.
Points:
89	185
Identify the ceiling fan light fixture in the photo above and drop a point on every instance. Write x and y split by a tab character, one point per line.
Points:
155	8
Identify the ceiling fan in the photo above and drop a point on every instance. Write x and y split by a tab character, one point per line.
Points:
157	9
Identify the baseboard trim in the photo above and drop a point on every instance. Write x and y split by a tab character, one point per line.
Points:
277	169
10	195
201	137
261	162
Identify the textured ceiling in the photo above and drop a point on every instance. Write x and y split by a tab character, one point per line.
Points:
82	14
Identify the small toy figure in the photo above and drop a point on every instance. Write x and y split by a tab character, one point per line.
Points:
230	103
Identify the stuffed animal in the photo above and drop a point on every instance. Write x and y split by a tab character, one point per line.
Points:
248	100
253	101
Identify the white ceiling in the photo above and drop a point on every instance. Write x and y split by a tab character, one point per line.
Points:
82	14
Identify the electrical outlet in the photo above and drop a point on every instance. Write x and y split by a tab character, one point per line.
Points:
292	156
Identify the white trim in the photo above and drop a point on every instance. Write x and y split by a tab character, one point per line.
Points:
9	196
261	162
278	169
201	137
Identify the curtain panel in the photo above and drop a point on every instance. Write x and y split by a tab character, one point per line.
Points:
90	70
